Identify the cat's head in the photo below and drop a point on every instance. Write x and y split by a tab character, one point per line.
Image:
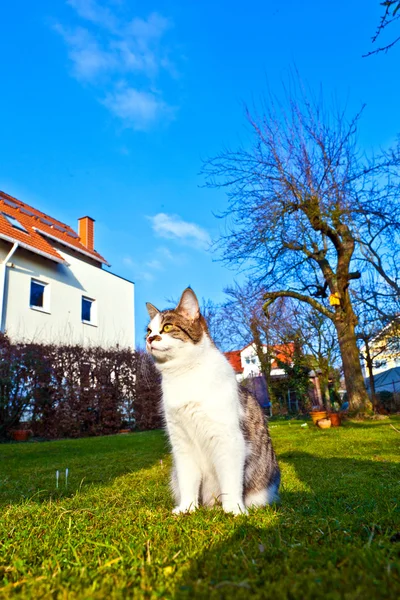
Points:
175	332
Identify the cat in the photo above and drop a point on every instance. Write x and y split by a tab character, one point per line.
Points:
220	443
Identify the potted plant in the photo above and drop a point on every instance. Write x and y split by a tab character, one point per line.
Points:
21	435
317	413
336	418
334	412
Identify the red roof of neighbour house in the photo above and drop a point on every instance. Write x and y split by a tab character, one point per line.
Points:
283	353
234	359
38	230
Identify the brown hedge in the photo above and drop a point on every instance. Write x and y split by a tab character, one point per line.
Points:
72	391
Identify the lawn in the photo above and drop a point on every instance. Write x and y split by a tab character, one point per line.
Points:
110	533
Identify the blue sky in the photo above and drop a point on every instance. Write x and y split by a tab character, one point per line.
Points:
108	108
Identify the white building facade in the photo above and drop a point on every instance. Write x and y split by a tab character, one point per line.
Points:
53	287
247	364
251	363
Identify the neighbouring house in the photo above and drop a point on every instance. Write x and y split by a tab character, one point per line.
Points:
247	364
53	285
247	367
381	356
383	350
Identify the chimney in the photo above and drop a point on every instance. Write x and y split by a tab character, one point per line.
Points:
86	232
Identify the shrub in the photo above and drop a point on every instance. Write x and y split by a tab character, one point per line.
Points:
148	394
73	391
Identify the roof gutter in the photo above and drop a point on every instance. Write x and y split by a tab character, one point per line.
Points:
3	281
34	250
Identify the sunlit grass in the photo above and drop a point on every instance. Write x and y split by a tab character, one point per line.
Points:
110	533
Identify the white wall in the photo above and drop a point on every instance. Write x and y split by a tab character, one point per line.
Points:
61	323
251	364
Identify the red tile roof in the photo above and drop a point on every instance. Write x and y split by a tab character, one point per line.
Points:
234	359
283	353
41	230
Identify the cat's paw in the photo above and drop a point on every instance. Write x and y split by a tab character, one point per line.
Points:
183	509
233	508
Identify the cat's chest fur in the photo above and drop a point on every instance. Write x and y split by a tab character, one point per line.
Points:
201	394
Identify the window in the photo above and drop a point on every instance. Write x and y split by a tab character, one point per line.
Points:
38	295
15	223
87	310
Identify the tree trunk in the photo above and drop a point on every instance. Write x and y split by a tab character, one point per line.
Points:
264	358
356	392
370	368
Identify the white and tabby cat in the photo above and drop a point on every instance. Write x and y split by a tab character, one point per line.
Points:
220	443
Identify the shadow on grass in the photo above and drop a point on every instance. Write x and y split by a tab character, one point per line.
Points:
367	424
331	539
28	471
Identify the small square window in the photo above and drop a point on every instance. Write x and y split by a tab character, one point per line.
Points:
87	310
15	223
37	297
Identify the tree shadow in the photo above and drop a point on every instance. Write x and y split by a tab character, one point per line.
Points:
329	537
370	423
28	471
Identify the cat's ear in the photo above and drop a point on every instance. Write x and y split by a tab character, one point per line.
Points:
152	310
189	305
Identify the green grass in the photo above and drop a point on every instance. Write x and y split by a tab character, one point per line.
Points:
111	534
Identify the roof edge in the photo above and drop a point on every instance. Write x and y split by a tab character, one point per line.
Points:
65	243
60	260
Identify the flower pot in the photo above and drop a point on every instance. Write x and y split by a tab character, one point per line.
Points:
317	415
336	419
21	435
324	423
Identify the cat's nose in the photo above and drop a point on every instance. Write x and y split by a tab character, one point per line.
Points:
153	338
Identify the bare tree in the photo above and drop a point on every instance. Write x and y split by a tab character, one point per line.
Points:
319	342
246	321
390	14
300	199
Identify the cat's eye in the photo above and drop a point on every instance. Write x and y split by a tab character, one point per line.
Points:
167	328
148	331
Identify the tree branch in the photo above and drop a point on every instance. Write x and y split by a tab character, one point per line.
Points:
272	296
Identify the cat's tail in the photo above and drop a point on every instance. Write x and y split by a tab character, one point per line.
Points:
268	495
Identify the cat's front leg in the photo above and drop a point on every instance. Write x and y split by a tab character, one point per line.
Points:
229	461
186	480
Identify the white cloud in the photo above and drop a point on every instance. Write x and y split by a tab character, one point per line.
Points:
155	264
128	262
137	109
139	273
87	57
173	227
92	11
151	29
123	59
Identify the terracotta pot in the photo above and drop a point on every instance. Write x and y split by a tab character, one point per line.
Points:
317	415
21	435
336	419
324	423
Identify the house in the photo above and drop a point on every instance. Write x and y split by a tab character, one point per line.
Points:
53	285
383	350
247	367
246	363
